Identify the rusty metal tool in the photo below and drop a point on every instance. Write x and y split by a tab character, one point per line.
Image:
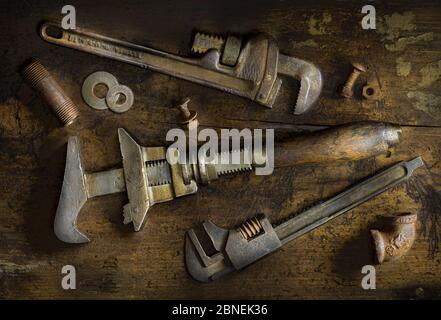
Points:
256	237
254	74
148	178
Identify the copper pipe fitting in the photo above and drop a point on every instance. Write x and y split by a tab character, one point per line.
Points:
42	81
396	238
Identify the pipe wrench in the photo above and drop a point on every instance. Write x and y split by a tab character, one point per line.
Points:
250	70
257	237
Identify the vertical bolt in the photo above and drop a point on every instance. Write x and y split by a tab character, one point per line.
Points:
187	116
42	81
183	107
348	88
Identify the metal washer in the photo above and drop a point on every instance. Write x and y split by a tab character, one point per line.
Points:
113	95
99	77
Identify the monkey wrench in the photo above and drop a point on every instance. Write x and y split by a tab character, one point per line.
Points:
250	71
256	237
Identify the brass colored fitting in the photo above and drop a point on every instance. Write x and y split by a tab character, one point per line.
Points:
396	238
42	81
348	88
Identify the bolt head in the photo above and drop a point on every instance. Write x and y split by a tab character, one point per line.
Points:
358	66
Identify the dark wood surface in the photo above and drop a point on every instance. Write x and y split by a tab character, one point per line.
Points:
404	58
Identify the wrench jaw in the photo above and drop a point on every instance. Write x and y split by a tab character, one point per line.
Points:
310	78
149	179
235	248
201	266
77	188
146	177
72	198
136	180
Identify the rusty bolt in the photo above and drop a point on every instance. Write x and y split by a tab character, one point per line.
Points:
348	88
42	81
187	115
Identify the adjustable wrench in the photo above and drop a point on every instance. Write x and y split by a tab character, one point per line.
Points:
256	237
254	75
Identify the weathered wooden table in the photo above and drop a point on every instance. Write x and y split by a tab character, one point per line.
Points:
404	58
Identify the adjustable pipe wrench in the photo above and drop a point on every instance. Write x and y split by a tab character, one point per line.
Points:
256	237
250	71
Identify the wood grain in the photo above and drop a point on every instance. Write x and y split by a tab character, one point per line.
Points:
119	263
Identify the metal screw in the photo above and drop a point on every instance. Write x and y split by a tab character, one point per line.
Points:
41	80
347	90
184	109
186	114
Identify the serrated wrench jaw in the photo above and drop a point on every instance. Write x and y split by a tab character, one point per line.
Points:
310	78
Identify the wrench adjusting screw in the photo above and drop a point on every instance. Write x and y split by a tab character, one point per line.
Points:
348	88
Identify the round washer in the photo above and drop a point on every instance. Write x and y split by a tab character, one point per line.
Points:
99	77
113	96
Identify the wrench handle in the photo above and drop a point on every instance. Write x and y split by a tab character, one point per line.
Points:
345	201
342	143
206	71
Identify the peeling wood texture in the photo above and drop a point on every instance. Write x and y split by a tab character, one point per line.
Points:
403	56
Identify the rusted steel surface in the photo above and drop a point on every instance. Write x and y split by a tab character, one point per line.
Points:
403	58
